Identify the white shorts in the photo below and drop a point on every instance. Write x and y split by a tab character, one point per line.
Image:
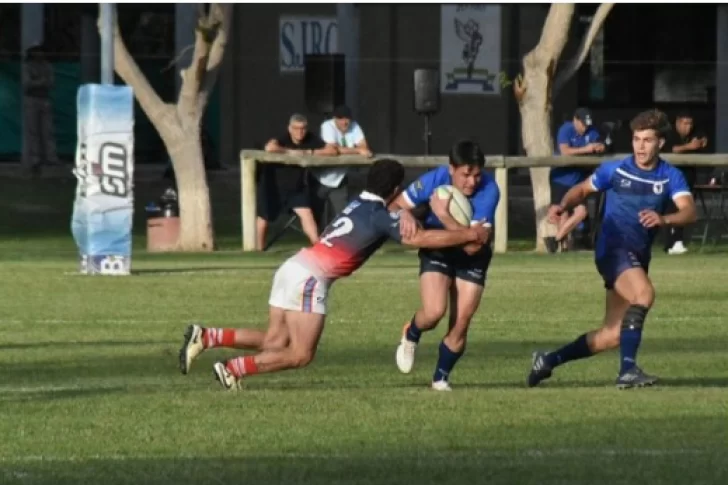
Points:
296	288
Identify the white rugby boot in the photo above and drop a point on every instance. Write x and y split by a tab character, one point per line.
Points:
406	353
442	385
225	377
191	348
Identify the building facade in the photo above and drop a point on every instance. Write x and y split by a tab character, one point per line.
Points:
674	58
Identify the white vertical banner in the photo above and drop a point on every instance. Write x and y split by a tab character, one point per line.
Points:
104	205
470	49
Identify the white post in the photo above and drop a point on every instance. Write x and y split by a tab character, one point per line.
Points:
501	212
248	200
107	12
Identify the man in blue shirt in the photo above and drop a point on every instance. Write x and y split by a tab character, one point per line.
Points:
638	191
456	273
576	137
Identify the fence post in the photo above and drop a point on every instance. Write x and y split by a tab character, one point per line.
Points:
501	212
248	201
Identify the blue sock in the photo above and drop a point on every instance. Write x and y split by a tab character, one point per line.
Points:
631	336
446	362
578	349
413	332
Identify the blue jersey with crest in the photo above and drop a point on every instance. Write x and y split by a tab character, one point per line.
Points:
484	200
630	190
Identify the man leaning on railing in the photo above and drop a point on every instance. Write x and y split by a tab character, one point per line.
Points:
290	188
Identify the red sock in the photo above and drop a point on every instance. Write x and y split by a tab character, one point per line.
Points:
218	337
242	366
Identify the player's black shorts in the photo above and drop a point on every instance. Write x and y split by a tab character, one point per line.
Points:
616	261
455	263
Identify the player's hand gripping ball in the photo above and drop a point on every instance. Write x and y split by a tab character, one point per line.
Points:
460	208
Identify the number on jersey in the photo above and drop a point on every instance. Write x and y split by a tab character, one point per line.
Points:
340	227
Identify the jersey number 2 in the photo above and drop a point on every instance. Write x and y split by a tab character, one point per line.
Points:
340	227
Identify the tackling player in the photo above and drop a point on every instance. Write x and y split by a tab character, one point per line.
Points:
298	297
638	190
457	274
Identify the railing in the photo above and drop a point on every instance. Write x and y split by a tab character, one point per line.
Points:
250	159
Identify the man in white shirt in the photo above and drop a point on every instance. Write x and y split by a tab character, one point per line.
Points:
348	137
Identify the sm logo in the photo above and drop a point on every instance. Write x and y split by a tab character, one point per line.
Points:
305	35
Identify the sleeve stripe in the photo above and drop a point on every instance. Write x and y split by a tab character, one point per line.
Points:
407	199
681	194
593	185
485	224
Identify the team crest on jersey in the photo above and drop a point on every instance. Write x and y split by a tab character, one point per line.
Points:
417	186
657	188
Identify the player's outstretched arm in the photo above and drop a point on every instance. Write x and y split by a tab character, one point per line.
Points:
438	239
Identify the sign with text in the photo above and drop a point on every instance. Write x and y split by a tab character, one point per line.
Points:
470	48
300	35
104	205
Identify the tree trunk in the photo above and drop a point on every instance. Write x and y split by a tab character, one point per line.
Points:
536	133
534	92
196	232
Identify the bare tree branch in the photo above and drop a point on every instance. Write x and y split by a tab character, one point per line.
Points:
596	25
220	14
130	73
178	58
193	76
554	35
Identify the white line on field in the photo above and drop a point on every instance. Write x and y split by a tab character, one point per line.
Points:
424	455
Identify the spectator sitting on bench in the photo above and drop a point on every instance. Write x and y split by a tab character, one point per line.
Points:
296	141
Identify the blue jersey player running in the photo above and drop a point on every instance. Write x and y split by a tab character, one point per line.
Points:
299	295
638	191
457	273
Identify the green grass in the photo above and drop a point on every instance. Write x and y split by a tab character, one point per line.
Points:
90	391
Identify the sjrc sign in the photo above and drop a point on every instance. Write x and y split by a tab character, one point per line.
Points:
305	35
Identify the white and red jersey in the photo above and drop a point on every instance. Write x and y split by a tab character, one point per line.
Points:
354	235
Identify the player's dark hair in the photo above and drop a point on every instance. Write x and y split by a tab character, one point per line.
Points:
466	152
651	120
384	177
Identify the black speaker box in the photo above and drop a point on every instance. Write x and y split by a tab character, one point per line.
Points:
325	84
427	91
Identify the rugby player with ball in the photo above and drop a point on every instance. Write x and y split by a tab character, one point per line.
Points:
456	274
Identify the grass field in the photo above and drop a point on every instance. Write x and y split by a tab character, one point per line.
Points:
90	391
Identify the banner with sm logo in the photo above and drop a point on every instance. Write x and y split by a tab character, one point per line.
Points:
104	205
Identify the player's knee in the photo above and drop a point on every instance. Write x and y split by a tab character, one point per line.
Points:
644	296
301	358
431	315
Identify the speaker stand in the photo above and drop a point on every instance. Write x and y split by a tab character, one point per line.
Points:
428	133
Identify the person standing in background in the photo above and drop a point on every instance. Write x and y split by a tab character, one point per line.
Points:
39	142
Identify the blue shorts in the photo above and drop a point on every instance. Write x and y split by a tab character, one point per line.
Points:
616	261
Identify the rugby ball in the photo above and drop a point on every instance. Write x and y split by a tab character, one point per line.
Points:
460	208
